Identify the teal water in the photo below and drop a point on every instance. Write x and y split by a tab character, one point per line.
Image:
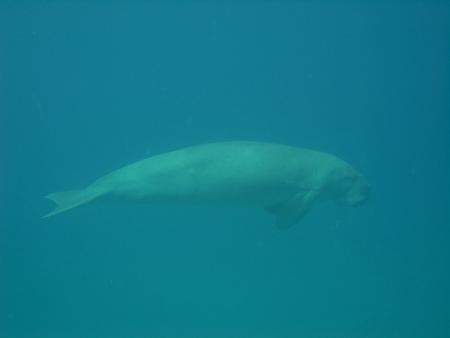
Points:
87	87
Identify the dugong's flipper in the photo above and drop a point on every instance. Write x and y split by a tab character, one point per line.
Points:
66	200
290	212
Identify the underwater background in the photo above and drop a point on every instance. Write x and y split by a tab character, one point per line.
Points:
89	86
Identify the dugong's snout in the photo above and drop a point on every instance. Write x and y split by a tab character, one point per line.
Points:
358	192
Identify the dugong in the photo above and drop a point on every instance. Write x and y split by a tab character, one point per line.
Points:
284	180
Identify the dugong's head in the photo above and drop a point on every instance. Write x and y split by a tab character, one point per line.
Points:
349	187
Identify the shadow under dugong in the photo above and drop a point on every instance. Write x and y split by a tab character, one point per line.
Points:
286	181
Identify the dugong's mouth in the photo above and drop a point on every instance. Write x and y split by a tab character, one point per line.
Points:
361	196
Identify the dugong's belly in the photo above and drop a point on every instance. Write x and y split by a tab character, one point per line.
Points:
212	187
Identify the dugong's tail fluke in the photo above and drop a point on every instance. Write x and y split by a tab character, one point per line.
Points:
67	200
